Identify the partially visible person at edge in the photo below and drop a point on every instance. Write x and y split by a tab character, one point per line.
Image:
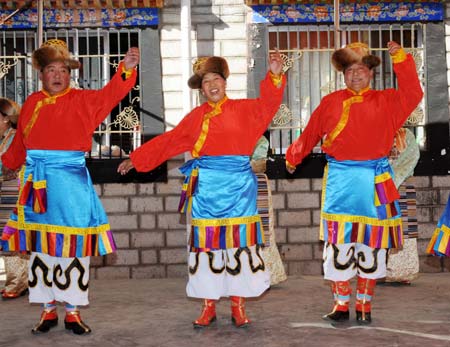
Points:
59	216
272	258
403	264
360	217
16	269
220	188
439	244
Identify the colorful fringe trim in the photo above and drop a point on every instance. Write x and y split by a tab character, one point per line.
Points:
207	235
389	235
188	190
440	242
386	195
35	194
99	242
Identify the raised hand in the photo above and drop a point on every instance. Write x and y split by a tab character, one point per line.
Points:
393	47
131	58
275	62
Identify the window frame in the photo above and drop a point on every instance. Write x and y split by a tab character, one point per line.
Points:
435	156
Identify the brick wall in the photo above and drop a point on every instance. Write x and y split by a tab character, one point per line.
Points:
297	221
218	28
151	234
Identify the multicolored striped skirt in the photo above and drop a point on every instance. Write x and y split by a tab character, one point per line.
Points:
360	204
440	240
222	201
58	211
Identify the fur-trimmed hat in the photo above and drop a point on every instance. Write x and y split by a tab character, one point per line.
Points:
10	109
204	65
51	51
356	52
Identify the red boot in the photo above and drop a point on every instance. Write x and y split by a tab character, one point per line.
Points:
341	293
208	314
238	316
49	319
74	323
364	293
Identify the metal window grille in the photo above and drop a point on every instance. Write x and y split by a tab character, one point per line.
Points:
307	51
99	51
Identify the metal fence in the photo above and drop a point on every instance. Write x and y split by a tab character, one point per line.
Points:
99	51
307	50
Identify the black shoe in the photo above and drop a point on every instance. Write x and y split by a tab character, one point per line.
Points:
48	321
77	326
337	316
363	318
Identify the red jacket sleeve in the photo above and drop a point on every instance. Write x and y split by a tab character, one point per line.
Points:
312	134
409	92
105	99
270	99
176	141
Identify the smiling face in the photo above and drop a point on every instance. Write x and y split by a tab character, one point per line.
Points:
357	77
55	77
213	87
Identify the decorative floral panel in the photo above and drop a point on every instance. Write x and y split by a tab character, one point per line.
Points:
80	4
64	18
321	2
367	12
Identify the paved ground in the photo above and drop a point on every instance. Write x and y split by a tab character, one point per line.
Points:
157	313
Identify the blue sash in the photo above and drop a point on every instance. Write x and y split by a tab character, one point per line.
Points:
58	212
223	203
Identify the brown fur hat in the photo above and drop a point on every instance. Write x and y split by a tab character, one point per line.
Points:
356	52
51	51
204	65
10	109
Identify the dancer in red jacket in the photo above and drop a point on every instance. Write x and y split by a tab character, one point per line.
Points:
360	215
59	217
220	189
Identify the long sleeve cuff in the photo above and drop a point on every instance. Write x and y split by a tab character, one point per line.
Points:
289	165
399	56
126	73
277	80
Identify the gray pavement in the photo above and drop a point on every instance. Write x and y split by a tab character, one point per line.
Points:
156	312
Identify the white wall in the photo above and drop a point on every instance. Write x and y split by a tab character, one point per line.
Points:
218	28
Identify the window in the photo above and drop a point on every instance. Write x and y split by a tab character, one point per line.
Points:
307	51
99	51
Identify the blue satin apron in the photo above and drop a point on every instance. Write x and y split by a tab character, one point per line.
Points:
221	194
58	211
360	204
